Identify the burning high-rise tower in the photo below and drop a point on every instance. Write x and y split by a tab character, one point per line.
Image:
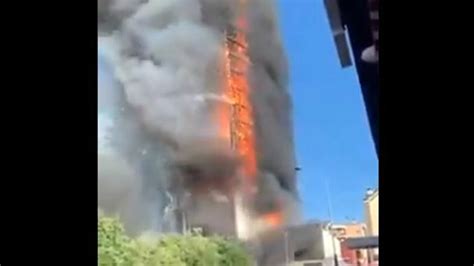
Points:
202	116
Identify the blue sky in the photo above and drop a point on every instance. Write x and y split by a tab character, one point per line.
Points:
332	136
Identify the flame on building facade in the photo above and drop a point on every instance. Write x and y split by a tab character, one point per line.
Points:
236	125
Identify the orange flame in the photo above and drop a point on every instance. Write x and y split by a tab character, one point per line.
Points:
274	219
236	124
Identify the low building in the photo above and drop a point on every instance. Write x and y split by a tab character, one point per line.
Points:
301	244
347	232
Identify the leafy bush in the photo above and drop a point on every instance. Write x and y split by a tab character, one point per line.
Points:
116	249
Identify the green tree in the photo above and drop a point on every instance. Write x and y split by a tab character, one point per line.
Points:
116	249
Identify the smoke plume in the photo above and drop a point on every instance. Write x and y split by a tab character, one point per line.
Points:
159	65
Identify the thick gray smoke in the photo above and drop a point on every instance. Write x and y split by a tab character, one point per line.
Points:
161	61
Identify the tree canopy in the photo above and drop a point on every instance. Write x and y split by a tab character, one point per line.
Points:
116	248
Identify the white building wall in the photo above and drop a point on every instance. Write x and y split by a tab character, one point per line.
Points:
331	244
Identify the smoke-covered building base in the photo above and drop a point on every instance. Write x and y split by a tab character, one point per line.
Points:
209	214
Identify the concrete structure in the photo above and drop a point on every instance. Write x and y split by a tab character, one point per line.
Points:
300	244
349	231
344	231
371	202
360	241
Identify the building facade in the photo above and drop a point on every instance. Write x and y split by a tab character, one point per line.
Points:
299	244
352	230
371	204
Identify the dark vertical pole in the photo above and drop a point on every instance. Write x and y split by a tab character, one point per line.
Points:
336	261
